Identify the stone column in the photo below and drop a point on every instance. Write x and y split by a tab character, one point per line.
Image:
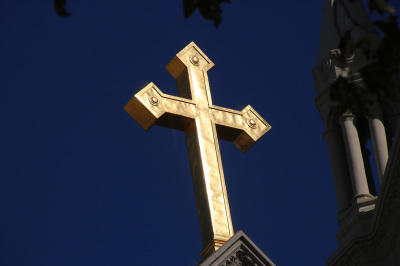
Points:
378	136
354	157
368	170
340	169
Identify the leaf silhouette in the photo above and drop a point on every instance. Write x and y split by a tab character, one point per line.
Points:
59	6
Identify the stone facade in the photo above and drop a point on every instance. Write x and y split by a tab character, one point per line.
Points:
369	221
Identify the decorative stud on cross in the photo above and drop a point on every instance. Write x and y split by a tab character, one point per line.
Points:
203	123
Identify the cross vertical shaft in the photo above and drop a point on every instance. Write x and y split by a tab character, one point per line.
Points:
205	159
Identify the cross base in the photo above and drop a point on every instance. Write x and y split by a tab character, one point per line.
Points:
213	246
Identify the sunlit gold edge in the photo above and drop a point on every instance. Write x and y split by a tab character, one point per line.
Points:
163	95
222	182
181	54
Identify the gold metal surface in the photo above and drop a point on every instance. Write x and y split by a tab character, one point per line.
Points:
203	123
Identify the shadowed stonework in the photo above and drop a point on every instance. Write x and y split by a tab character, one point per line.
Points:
368	220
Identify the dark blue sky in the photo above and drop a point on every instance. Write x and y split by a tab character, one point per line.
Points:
81	183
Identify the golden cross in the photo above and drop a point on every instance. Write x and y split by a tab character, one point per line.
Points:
203	123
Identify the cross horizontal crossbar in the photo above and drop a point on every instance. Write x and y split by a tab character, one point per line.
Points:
243	128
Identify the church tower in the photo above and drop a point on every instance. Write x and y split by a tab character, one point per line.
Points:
362	210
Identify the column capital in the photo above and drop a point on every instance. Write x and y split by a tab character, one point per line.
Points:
347	117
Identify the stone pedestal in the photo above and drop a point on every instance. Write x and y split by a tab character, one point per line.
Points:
238	250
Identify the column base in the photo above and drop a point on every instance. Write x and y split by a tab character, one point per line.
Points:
356	219
362	198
